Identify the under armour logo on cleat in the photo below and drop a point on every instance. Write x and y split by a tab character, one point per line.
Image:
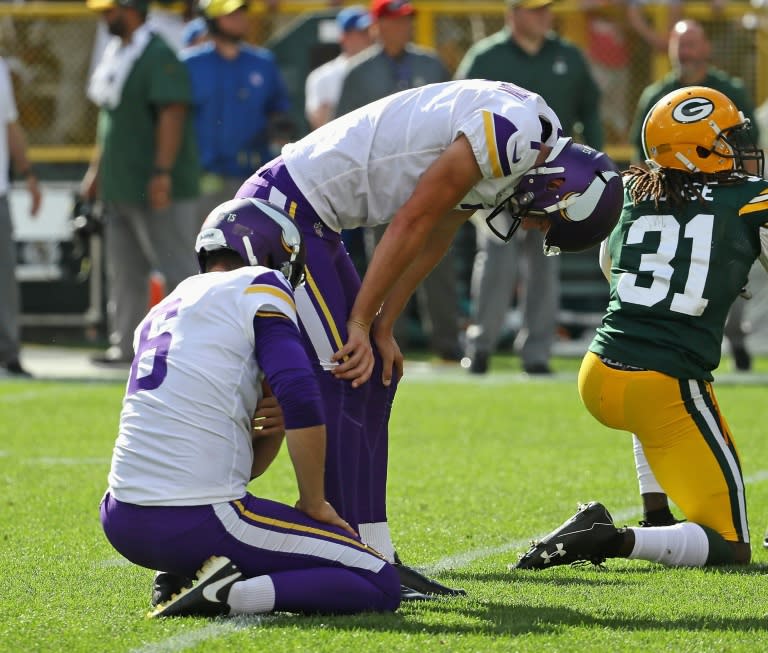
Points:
559	551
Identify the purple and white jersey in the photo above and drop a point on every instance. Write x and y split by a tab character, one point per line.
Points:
359	169
185	427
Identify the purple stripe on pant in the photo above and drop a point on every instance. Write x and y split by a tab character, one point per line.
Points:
357	419
313	566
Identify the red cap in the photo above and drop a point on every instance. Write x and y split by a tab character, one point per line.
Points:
384	8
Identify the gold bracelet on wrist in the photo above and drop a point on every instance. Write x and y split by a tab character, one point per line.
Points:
359	323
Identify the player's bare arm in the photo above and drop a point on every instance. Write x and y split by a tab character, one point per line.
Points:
17	146
168	136
306	447
382	331
439	190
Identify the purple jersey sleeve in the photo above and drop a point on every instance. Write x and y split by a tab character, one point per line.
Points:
283	359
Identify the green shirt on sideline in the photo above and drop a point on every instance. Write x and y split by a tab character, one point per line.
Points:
558	72
126	134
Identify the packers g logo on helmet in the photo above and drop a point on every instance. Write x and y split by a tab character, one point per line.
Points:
698	129
692	110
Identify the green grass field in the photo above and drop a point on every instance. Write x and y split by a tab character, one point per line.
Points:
478	468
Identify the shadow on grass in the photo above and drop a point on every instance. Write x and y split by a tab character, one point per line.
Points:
593	575
474	616
495	619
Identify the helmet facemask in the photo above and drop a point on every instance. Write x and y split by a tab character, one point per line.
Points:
579	190
740	145
507	217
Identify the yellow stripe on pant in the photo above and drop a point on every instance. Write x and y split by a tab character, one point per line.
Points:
685	438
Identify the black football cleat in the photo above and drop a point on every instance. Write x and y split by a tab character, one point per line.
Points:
165	585
208	596
418	582
588	536
408	594
13	369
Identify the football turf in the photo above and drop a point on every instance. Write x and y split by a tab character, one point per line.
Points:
478	467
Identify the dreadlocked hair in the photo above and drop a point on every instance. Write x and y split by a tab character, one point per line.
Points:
676	187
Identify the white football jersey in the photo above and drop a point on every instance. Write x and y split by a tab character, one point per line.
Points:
359	169
185	427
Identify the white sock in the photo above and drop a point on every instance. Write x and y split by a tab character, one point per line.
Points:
376	535
252	596
681	545
645	477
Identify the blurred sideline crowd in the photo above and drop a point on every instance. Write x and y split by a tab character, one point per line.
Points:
186	108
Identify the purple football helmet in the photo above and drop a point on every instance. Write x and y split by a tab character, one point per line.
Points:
259	232
578	188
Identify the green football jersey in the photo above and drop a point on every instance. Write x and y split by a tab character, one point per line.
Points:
675	274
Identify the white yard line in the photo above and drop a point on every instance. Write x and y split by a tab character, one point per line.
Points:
188	639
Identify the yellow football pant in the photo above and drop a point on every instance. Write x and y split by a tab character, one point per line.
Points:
686	440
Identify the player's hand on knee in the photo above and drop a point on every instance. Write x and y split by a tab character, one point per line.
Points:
355	358
391	356
324	512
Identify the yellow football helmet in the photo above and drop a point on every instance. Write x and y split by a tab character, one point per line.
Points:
698	129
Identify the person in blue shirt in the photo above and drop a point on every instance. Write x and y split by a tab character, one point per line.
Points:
240	102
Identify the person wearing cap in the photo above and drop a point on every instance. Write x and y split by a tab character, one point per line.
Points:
240	102
528	53
323	86
394	64
145	167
